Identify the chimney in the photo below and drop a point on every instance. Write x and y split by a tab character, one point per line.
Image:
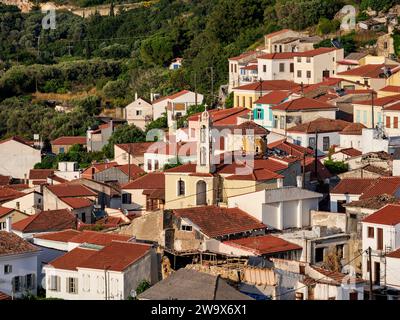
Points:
299	180
136	96
8	224
279	183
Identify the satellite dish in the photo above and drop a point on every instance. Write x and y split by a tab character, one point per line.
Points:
133	293
336	43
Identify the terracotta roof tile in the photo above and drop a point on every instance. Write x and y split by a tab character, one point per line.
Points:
391	89
4	296
380	102
314	52
367	71
276	33
152	180
375	202
269	85
388	185
10	244
98	238
4	180
76	203
136	148
61	236
303	103
320	124
277	56
394	254
216	221
7	193
350	152
136	171
262	245
72	259
68	141
5	211
388	215
71	190
274	97
353	129
352	186
39	174
51	220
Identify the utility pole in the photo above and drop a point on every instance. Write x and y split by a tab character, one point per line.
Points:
372	109
105	283
370	273
38	46
129	161
304	171
195	89
212	86
316	153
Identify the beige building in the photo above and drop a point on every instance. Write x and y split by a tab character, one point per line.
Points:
64	144
135	151
314	66
9	215
139	113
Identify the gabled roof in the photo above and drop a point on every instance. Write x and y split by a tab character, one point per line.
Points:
61	141
217	221
222	116
39	174
367	71
4	180
388	215
351	152
388	185
391	89
394	254
11	244
77	203
269	85
72	259
352	186
98	238
59	236
277	56
243	55
136	149
375	202
116	256
335	277
172	96
152	180
17	139
290	148
5	211
303	104
256	175
51	220
314	52
274	97
353	129
321	125
263	245
186	284
71	190
276	33
7	193
249	128
136	171
380	102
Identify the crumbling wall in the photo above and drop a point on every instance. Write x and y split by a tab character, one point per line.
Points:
331	220
147	227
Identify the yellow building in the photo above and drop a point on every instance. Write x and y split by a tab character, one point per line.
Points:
12	214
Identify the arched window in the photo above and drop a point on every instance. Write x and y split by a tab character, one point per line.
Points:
181	187
203	156
203	134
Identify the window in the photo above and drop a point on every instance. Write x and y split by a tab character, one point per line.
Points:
126	198
54	284
275	122
292	67
16	284
2	225
138	112
251	101
325	143
333	59
264	68
244	102
7	268
395	122
385	45
387	122
298	73
156	165
308	74
72	285
61	150
298	59
281	67
231	67
379	240
370	232
186	228
203	134
235	68
203	156
311	142
181	187
365	117
30	281
149	165
282	122
259	114
237	101
358	116
124	156
366	82
308	60
192	132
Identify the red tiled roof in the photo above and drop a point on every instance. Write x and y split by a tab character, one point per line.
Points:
253	127
290	148
98	238
250	67
303	104
274	97
137	148
336	277
352	186
391	89
4	296
367	71
348	62
269	85
380	102
61	141
76	203
262	245
172	96
388	215
320	124
314	52
72	259
10	244
17	139
116	256
277	56
276	33
216	221
51	220
222	116
98	167
40	174
185	168
243	55
256	175
7	193
5	211
353	129
4	180
393	107
394	254
388	185
350	152
61	236
136	171
71	190
152	180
